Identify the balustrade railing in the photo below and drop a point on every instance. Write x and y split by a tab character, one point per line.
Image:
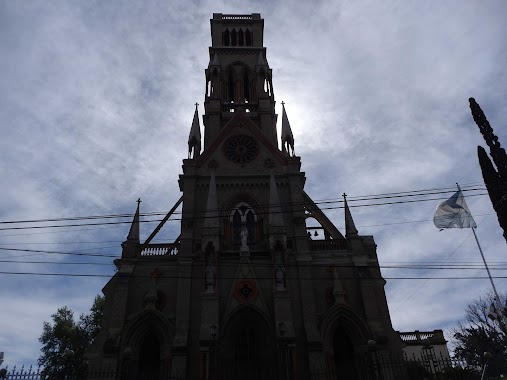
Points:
236	17
159	249
328	245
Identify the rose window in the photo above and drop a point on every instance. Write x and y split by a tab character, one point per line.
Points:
241	149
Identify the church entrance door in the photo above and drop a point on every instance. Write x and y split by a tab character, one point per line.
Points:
149	359
247	348
344	357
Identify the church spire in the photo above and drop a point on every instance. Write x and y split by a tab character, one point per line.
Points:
211	215
350	227
194	138
133	235
287	137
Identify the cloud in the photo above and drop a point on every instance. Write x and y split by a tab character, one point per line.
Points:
96	102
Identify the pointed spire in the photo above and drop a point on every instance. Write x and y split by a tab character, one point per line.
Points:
350	227
287	137
275	211
211	215
194	138
261	61
133	235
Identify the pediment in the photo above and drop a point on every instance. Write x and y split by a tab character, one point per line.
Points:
242	144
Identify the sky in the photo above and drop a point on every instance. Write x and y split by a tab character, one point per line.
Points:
97	100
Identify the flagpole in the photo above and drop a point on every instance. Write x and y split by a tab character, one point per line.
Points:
483	258
485	264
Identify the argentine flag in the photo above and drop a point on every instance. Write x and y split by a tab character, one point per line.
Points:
454	213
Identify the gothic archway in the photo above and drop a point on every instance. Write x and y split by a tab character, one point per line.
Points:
146	346
242	211
344	333
247	347
344	355
149	358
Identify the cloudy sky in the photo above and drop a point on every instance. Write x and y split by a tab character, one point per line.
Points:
97	98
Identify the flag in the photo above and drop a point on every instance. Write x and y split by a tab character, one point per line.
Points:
454	213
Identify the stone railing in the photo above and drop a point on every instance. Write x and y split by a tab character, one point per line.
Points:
236	17
159	249
418	337
328	245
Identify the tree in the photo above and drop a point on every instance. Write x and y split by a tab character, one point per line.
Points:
66	341
494	178
478	334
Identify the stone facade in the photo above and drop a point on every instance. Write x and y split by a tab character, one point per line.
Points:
244	292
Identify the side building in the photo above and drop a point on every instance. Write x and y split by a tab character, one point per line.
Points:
245	291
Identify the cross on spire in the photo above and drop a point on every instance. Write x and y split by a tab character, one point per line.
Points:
138	201
196	104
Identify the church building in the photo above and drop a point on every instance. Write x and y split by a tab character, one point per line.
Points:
259	284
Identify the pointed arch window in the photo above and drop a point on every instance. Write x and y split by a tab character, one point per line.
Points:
234	38
230	88
246	88
243	216
248	38
241	37
227	38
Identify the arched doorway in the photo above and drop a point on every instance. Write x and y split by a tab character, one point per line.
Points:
344	357
149	358
247	348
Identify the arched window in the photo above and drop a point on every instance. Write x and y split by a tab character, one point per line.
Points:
246	88
234	38
248	38
236	228
227	38
250	225
243	216
241	36
230	88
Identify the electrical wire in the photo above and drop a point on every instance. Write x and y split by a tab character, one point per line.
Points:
411	267
349	199
233	278
204	217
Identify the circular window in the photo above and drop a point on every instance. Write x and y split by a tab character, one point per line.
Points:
241	149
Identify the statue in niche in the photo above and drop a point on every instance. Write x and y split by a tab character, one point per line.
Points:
279	269
279	275
244	237
210	270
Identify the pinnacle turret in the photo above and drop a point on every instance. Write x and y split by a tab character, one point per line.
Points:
194	138
133	235
350	227
287	137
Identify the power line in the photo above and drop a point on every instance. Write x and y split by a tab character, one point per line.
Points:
233	278
204	217
222	265
159	213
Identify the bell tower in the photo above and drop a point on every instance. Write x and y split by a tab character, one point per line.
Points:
259	283
238	77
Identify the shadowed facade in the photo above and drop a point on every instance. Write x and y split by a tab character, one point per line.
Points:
246	291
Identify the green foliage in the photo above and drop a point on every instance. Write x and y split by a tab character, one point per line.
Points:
479	334
66	341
